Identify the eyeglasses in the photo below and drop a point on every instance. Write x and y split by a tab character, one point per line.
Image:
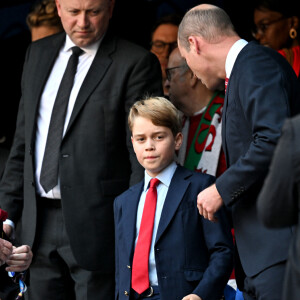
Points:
169	73
160	46
262	27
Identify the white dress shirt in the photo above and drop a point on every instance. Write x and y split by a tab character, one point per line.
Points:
165	178
48	99
232	55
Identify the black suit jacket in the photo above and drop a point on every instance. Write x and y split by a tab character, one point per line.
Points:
262	91
192	255
278	203
95	165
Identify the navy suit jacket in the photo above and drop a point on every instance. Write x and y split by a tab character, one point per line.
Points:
192	255
262	92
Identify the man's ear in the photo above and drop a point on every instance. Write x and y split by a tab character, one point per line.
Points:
194	44
58	7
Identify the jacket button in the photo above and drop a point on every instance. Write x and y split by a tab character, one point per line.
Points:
128	267
126	293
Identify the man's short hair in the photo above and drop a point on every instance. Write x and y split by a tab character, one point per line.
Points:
210	23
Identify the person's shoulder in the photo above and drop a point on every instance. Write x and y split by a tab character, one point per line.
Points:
193	176
50	39
128	193
128	48
262	53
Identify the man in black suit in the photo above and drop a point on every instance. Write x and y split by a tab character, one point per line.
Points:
71	226
278	202
261	92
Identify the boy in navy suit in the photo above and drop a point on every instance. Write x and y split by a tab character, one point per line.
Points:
164	248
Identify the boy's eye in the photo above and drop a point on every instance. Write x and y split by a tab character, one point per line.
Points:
159	137
140	139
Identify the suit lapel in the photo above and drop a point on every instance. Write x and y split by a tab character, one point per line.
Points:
99	67
175	194
45	63
130	211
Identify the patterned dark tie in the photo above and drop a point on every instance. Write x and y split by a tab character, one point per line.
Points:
140	264
49	171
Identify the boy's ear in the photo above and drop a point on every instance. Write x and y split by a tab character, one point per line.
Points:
178	140
132	143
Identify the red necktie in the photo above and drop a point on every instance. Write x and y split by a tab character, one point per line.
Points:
226	82
140	264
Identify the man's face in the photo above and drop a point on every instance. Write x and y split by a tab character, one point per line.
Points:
85	21
153	145
204	65
178	80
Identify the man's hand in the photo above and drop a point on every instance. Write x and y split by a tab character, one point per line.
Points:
8	230
20	259
208	202
6	249
191	297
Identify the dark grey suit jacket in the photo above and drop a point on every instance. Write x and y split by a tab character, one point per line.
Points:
262	91
278	203
96	165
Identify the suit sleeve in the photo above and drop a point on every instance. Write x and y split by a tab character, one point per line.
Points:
11	187
145	80
220	248
277	202
261	104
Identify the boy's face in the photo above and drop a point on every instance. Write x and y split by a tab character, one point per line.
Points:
153	145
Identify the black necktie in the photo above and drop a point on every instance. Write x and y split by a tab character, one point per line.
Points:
49	171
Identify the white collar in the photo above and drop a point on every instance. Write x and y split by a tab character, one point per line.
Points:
90	49
232	55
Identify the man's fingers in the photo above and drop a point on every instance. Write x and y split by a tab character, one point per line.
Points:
200	208
205	214
212	218
21	249
5	250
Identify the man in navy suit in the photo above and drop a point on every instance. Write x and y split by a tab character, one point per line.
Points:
261	92
189	257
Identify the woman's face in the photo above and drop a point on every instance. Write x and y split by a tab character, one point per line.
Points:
272	29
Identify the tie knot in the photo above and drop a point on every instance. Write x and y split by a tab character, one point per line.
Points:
154	182
77	51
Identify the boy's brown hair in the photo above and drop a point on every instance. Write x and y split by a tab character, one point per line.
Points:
159	110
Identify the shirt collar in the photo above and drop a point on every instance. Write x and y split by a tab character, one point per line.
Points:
164	177
232	55
90	49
